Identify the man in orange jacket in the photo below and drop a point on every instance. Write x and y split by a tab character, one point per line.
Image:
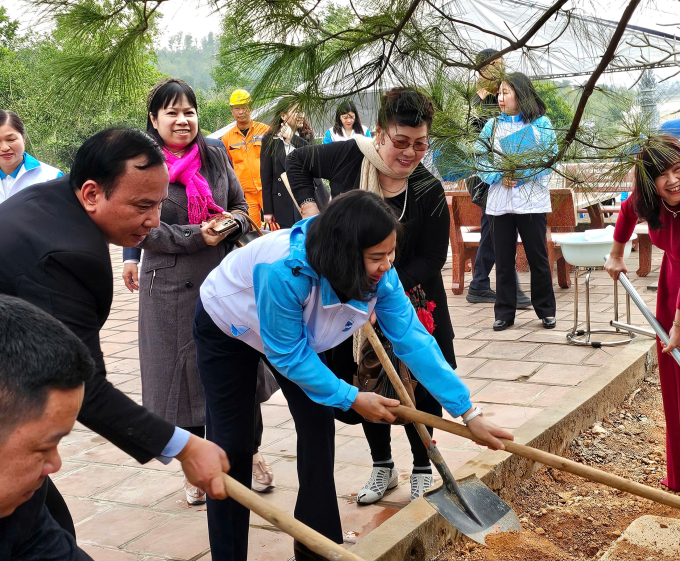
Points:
244	142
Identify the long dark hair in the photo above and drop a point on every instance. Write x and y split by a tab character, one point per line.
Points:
13	120
167	92
660	153
336	240
530	104
345	107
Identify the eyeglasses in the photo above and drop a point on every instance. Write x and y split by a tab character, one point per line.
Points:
404	144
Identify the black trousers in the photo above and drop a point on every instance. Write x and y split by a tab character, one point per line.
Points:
532	229
199	431
485	258
379	436
228	371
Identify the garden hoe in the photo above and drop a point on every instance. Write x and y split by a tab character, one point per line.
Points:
468	505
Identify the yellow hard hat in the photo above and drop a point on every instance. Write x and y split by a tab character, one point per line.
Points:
240	97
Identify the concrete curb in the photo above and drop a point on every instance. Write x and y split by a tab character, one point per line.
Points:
419	532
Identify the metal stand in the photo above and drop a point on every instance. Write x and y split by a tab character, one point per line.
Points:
575	332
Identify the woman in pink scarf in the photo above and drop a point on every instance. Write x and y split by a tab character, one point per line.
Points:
178	255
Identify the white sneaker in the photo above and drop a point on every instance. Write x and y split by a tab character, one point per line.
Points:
381	480
194	495
420	482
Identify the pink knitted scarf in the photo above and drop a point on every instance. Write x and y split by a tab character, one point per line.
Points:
185	170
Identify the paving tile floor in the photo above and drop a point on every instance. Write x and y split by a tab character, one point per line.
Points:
123	510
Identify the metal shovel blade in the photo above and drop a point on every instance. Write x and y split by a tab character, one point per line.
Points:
491	514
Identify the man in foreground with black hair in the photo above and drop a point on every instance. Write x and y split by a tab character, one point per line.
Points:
43	370
55	254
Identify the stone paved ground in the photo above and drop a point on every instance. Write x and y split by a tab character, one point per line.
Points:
123	510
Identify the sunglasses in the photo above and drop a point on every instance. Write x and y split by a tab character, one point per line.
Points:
404	144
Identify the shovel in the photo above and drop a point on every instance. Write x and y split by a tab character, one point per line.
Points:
552	460
311	538
468	505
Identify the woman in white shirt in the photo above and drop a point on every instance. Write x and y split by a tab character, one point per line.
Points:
18	169
518	200
347	124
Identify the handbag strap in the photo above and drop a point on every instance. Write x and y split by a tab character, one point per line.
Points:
284	178
254	224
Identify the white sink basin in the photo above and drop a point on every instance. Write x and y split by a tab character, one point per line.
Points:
581	252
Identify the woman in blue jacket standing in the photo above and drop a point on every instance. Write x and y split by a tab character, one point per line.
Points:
519	200
18	169
287	298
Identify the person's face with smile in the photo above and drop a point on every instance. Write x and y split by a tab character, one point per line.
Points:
402	161
29	453
177	124
378	259
668	184
12	146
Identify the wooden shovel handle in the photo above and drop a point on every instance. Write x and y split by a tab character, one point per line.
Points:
552	460
284	521
372	336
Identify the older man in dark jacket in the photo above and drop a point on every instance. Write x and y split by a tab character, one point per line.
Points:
55	255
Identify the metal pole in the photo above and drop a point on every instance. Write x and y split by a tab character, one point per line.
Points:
649	316
633	329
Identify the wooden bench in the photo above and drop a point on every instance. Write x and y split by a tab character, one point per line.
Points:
464	244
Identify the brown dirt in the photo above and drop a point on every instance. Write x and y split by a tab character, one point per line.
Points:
566	517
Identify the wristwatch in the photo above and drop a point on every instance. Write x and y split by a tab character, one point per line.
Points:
476	412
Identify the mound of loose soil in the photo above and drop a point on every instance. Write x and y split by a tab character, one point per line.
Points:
566	517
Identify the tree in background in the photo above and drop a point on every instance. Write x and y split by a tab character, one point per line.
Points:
184	58
316	54
57	124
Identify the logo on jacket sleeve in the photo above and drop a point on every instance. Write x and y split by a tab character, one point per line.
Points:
349	324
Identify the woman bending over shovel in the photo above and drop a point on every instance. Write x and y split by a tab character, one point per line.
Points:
288	297
656	199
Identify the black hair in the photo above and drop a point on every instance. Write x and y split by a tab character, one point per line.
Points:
660	153
345	107
405	106
13	120
481	56
103	157
530	104
336	240
37	354
168	91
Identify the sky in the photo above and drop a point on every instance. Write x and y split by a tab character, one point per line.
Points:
178	15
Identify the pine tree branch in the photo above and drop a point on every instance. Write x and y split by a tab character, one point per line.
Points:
588	89
522	41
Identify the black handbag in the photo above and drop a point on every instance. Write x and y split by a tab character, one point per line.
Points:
371	377
478	189
254	233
